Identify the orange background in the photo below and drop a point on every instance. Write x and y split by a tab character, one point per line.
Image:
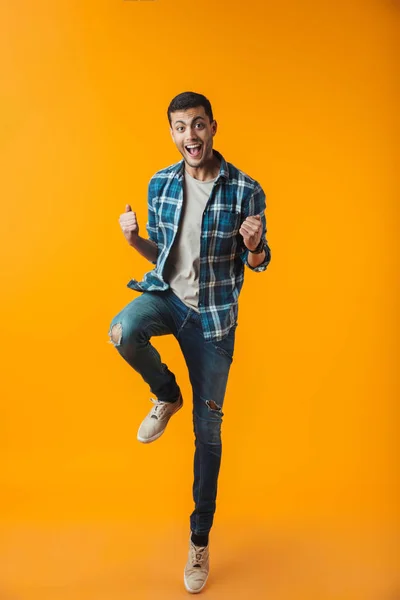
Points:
305	100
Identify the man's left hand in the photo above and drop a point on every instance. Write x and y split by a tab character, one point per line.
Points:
251	230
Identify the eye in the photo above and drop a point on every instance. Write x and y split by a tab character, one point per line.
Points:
200	125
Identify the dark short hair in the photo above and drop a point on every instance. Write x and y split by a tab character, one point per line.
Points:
189	100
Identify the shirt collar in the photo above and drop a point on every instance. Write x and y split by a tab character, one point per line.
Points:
223	171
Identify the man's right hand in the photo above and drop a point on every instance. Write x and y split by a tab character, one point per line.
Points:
129	225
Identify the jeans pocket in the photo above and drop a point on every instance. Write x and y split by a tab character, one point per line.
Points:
226	346
223	351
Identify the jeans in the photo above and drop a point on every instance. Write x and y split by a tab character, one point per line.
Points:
208	363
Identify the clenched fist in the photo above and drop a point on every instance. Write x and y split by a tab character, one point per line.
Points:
129	224
251	230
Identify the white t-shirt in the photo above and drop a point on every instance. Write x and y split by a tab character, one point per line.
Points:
183	263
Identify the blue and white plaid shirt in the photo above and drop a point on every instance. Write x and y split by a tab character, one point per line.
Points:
234	197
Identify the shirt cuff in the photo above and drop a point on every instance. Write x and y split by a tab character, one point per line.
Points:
262	266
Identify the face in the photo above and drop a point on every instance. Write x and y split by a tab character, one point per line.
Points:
193	135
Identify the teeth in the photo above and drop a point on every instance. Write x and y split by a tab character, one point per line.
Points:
193	146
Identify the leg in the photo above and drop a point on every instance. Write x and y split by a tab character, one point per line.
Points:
208	364
130	331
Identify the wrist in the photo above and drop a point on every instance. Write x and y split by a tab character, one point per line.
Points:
254	260
259	248
134	241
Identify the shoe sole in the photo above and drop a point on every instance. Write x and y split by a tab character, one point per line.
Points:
188	589
155	437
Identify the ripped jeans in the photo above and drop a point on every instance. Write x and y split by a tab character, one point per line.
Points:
161	313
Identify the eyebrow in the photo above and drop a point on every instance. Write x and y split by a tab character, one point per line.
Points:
195	119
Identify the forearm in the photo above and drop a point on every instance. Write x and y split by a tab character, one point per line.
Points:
255	259
146	248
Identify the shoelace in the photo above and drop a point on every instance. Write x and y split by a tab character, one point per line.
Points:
197	555
158	410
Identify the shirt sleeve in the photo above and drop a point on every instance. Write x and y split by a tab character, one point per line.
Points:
256	205
151	225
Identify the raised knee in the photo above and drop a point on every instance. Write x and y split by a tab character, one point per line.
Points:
116	334
124	332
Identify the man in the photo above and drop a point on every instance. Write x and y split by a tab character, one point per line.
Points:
206	222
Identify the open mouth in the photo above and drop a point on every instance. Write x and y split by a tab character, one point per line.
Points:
194	150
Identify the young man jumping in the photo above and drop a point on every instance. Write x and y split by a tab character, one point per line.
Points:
206	222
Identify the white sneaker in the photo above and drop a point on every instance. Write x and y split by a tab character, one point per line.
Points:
156	421
197	567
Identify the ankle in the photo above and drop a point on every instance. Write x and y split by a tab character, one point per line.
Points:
199	540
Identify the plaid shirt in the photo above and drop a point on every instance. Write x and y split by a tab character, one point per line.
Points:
223	254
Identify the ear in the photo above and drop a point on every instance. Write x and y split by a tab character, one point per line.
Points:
214	127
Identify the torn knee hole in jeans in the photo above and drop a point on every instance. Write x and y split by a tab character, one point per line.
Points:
116	334
213	406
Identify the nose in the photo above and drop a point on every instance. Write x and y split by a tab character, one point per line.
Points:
192	138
